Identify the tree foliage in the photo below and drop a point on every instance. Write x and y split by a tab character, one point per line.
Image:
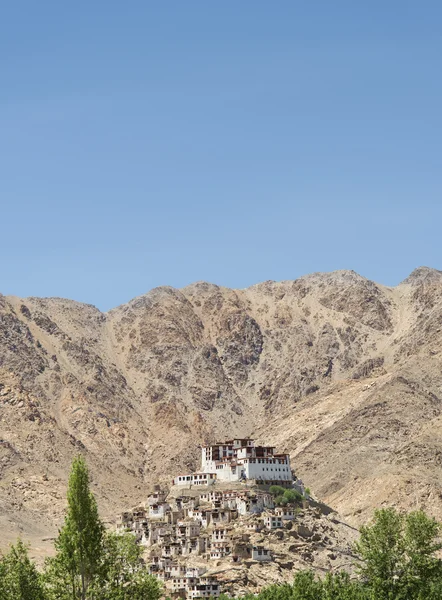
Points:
307	586
284	496
124	575
19	578
80	541
90	564
398	554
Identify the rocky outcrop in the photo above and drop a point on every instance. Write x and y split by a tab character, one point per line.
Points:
344	373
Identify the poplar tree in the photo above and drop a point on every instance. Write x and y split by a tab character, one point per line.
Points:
79	559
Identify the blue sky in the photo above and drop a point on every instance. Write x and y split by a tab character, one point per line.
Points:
160	143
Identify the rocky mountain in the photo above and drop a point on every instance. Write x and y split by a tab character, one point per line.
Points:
342	372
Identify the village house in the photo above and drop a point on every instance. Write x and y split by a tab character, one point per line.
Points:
160	562
195	571
158	531
272	522
173	516
161	575
175	570
221	534
124	522
207	587
210	496
182	579
187	502
253	504
195	479
140	529
253	527
187	529
203	516
219	549
261	554
223	516
158	510
196	546
178	586
241	551
171	549
285	513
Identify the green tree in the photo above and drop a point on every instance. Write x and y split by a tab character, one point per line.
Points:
307	587
422	568
276	592
340	587
124	575
398	555
292	496
283	496
19	578
79	559
91	564
433	591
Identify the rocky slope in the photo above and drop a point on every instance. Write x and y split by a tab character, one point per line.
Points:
342	372
314	541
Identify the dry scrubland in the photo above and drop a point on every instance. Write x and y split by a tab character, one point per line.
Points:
343	373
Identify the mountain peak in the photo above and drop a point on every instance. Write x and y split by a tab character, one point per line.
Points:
423	274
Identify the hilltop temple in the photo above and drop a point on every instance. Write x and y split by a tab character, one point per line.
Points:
239	460
187	529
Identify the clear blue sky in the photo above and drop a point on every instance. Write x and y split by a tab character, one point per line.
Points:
149	143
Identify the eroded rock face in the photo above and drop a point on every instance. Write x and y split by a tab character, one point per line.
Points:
139	388
240	345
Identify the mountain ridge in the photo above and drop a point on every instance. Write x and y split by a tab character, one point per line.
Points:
418	273
139	387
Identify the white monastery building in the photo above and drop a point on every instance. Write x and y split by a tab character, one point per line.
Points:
239	460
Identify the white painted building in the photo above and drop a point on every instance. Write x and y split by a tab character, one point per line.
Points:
253	526
159	510
202	515
195	571
160	563
286	514
221	534
207	587
195	479
219	549
254	504
240	459
272	522
261	554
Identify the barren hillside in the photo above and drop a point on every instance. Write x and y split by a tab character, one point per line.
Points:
342	372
